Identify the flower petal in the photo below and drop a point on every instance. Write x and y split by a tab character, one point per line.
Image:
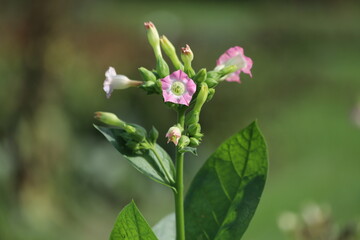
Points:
110	72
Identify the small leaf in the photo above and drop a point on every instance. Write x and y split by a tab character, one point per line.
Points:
153	135
189	149
154	162
225	193
165	229
131	225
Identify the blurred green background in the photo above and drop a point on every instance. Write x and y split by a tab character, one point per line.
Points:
60	179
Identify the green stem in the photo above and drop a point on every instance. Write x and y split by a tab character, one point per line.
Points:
179	185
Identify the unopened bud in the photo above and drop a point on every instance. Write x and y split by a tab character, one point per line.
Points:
133	145
147	75
169	50
201	97
109	119
192	117
162	68
211	82
153	38
200	76
194	142
153	134
184	141
211	94
187	56
193	129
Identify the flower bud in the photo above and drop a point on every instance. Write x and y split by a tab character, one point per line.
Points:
187	56
201	97
211	82
192	117
211	94
200	76
194	142
153	38
109	119
133	145
162	68
173	134
194	128
169	50
184	141
153	134
147	75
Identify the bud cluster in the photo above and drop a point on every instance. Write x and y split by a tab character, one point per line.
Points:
135	137
184	90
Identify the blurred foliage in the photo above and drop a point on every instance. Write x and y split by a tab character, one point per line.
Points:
60	180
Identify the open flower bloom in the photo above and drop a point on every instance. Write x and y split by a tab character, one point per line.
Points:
235	56
114	81
178	88
173	135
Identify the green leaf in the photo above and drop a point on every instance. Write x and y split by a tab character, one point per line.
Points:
154	162
224	194
165	229
131	225
189	149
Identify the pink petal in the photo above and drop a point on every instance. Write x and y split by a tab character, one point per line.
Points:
178	76
248	67
230	53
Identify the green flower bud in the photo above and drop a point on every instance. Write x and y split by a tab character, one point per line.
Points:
201	97
153	135
184	141
187	56
211	82
162	68
211	94
194	129
192	117
194	142
153	38
169	50
137	133
109	119
147	75
135	146
200	76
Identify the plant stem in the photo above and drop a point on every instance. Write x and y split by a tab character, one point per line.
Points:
179	185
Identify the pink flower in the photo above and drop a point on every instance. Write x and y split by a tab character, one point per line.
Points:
235	56
178	88
114	81
173	134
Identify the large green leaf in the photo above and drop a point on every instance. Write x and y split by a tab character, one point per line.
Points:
224	194
155	163
131	225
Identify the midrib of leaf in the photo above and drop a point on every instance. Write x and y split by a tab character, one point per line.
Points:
241	177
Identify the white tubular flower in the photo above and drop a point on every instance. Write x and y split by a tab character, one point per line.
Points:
114	81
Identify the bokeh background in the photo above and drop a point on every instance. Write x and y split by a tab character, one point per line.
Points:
60	179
